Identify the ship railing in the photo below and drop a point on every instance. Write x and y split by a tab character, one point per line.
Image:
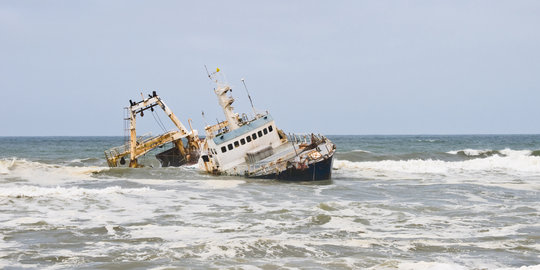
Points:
122	150
114	153
304	138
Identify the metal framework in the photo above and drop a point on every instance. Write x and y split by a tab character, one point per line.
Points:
136	148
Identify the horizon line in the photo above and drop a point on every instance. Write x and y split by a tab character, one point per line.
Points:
367	134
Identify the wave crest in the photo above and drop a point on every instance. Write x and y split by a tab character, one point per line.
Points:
45	173
27	191
511	165
489	152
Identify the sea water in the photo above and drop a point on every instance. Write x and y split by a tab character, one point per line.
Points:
394	202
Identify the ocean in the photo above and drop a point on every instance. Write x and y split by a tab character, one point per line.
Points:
394	202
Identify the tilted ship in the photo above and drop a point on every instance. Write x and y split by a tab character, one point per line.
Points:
254	148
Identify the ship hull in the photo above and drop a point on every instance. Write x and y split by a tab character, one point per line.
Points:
318	171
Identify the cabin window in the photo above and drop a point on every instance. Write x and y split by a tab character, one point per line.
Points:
236	144
265	131
248	138
270	128
254	136
230	146
223	149
260	133
242	141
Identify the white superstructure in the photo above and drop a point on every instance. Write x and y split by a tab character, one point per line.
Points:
237	141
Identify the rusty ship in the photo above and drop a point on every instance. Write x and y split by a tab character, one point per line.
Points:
239	145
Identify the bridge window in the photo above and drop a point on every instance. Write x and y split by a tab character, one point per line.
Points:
260	133
265	131
248	138
270	128
230	146
236	144
223	149
242	141
254	136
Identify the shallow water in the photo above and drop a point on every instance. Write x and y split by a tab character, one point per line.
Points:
395	202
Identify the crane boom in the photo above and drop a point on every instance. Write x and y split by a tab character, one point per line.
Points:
136	148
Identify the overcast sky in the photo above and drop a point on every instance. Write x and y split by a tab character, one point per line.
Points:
334	67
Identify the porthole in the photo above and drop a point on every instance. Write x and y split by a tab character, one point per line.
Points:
270	128
242	141
260	133
265	131
223	149
248	138
254	136
230	146
236	144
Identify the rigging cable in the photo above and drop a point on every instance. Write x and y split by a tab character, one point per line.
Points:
158	121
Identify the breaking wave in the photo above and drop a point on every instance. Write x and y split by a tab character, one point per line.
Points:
26	191
507	163
430	140
489	152
422	265
473	152
361	151
360	155
5	165
494	163
45	173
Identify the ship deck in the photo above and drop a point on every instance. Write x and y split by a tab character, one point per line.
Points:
283	153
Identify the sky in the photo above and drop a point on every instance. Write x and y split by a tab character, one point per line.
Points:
68	68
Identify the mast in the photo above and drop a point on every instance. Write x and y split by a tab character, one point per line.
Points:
225	101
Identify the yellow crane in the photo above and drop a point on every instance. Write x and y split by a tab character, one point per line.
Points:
135	148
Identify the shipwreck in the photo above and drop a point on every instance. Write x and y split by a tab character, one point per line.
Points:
251	147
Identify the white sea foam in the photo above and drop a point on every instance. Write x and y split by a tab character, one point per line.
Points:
209	235
221	221
66	193
510	152
5	165
429	266
220	184
427	140
513	164
479	152
45	173
361	151
470	152
530	267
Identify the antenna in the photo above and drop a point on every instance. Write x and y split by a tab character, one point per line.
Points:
204	118
250	101
207	72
